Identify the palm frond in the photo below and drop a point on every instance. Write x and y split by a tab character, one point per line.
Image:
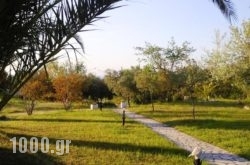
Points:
227	9
33	32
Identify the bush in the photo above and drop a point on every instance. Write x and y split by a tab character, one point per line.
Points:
229	91
3	118
109	105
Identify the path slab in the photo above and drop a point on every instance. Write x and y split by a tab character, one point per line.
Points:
212	154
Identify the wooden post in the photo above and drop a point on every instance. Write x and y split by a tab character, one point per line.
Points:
123	117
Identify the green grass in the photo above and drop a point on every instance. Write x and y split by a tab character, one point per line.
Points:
222	123
97	137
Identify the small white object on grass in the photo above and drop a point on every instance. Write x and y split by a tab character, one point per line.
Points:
246	107
196	153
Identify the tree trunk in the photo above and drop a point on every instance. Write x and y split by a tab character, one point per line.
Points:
67	104
30	106
193	104
128	102
152	102
153	107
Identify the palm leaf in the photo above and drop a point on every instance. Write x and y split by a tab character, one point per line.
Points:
227	9
32	32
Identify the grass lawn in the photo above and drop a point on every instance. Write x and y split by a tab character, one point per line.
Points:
97	137
222	123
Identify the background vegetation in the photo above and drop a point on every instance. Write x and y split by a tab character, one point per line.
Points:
164	74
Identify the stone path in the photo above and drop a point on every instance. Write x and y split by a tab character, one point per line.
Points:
212	154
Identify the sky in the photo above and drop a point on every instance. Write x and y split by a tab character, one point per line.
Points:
112	41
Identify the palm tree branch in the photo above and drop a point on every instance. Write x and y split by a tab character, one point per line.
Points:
227	9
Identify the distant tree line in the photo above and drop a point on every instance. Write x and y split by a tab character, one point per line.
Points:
66	83
164	74
168	73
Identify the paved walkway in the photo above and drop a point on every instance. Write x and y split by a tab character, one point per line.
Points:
212	154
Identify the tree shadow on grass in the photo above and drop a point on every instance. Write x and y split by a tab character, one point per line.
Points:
106	145
37	109
2	128
129	147
217	103
166	114
7	157
212	124
186	114
69	120
50	108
